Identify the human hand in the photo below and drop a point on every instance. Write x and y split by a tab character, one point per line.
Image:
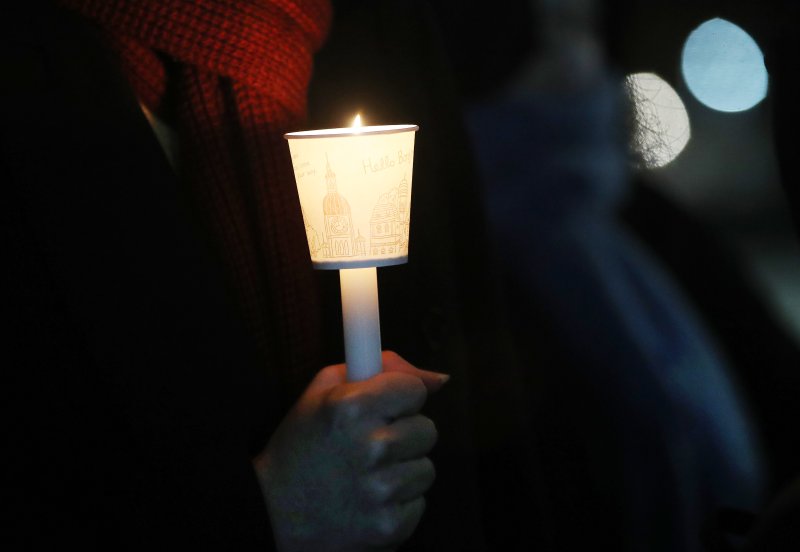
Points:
346	469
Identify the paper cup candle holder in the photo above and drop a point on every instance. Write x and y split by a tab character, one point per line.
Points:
355	192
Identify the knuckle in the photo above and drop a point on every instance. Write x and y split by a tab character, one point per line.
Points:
428	471
379	489
378	449
424	432
395	523
350	409
419	386
388	524
418	393
344	407
430	429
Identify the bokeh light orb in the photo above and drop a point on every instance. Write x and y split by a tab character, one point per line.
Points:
724	67
661	127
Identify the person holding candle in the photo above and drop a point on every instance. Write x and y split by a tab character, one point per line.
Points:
163	305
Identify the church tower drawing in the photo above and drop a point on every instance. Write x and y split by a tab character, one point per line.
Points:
338	220
360	245
314	244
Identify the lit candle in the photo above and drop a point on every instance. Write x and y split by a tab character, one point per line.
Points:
355	191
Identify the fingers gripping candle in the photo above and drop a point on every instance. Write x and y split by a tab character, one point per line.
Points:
355	192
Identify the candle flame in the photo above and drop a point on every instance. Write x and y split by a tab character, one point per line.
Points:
357	121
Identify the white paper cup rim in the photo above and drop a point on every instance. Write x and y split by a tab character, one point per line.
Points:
351	131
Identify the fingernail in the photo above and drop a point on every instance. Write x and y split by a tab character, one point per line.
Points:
443	378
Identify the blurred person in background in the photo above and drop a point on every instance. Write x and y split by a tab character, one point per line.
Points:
641	430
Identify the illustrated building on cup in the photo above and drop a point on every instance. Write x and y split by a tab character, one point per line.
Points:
338	220
389	223
388	226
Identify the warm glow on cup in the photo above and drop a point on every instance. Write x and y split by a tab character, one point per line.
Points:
354	186
355	191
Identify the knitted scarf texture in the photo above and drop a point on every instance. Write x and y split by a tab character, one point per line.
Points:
236	73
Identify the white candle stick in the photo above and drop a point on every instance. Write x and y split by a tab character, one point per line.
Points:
361	318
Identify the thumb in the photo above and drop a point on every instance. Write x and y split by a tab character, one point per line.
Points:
392	362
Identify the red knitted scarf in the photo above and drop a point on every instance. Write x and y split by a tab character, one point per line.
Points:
240	78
